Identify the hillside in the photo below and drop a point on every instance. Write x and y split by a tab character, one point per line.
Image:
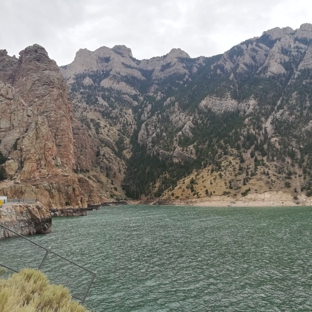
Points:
232	124
170	127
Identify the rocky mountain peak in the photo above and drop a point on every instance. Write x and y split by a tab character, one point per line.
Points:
305	31
84	60
36	54
34	50
36	58
277	32
270	52
3	53
306	27
122	50
103	59
177	53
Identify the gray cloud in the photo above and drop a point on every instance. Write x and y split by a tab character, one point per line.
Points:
149	28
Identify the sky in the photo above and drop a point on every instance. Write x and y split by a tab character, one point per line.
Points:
148	27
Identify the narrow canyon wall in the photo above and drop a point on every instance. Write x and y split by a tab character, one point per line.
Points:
40	156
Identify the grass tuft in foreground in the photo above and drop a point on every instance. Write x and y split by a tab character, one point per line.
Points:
30	291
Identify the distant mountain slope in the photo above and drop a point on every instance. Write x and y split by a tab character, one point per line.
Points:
176	127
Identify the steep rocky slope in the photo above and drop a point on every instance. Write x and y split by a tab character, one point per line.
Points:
172	127
43	148
178	127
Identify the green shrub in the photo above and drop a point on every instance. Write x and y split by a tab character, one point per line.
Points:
287	184
309	193
15	145
2	174
3	159
245	193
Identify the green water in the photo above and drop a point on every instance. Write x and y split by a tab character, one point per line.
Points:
189	258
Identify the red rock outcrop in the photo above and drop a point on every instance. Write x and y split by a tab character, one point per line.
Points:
37	137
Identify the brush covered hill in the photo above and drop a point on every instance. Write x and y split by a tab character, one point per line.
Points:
176	127
170	127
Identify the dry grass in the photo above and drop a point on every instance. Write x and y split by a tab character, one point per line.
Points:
30	291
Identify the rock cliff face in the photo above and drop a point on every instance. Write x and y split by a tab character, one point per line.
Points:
43	145
24	219
177	127
174	127
112	91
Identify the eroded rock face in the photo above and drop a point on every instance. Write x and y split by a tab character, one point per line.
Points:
174	108
185	111
36	134
40	85
25	219
36	111
119	61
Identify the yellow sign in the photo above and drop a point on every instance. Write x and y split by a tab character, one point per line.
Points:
0	202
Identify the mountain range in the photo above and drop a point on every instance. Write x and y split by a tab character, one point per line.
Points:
111	127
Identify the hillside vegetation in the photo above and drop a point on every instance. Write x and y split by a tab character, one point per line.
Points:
170	127
231	125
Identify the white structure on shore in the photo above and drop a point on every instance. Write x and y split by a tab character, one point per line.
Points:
4	199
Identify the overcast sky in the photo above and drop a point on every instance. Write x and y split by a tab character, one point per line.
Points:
149	27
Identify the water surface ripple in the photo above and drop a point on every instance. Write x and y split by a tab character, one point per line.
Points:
191	258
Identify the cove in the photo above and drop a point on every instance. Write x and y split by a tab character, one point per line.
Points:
169	258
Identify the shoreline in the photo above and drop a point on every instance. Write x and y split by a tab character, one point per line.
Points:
239	203
267	199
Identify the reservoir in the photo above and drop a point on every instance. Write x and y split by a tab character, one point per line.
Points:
169	258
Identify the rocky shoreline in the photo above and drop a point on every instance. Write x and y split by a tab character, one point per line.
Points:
35	218
266	199
69	212
75	212
28	219
24	219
